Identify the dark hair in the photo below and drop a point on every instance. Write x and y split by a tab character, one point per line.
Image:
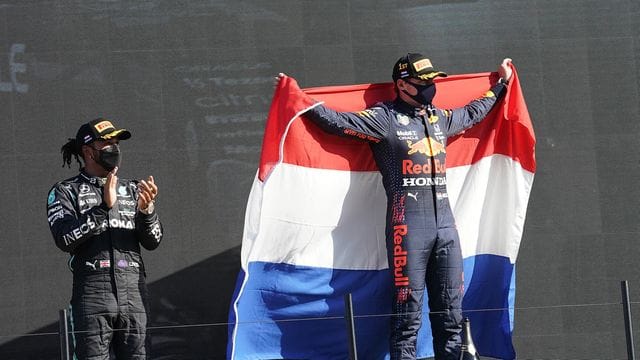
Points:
71	148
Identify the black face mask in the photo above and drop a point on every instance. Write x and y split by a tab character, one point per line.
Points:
109	157
425	94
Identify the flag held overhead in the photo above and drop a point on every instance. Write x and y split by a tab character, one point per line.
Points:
314	226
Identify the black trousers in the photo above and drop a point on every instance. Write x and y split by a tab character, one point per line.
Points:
105	320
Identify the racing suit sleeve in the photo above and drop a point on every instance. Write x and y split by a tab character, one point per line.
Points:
148	226
369	125
457	120
68	227
148	230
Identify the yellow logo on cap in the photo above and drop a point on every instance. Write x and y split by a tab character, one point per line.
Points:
422	64
102	125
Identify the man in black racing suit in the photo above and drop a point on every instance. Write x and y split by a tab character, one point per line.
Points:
408	138
102	221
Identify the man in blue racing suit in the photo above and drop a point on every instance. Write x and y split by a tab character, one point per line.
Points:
408	138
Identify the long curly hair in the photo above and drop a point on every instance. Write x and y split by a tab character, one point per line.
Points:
69	150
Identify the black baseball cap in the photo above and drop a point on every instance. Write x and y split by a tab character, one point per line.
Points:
414	65
100	129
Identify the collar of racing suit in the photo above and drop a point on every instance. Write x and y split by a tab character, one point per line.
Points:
411	110
95	180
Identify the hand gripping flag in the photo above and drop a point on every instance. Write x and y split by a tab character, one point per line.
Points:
314	227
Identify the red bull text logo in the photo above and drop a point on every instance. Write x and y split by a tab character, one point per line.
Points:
430	168
426	146
399	256
430	148
434	166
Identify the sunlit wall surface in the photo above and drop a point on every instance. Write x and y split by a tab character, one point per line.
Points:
192	80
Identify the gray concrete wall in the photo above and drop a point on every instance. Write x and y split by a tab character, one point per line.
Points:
192	81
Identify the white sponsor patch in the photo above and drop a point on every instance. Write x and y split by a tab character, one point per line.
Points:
121	224
54	209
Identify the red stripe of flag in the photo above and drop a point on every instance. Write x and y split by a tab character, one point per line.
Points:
507	130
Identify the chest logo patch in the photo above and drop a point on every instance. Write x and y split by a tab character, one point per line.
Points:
403	119
426	146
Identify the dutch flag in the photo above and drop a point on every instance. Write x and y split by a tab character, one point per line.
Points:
314	227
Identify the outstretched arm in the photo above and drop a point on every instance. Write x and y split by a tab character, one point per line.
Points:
370	124
458	120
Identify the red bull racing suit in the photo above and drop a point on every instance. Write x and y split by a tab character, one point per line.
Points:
109	301
409	147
